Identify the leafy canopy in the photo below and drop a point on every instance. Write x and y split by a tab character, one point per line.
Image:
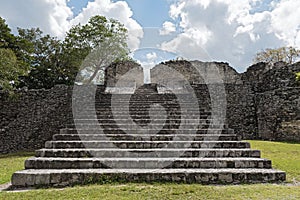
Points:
50	61
98	43
9	69
12	59
271	56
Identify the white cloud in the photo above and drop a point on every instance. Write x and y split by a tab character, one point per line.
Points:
56	18
231	30
175	9
168	27
50	15
151	56
286	21
118	10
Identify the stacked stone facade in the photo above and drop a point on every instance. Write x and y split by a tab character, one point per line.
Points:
262	103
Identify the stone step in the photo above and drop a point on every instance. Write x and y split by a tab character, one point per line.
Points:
84	130
153	121
146	144
142	107
155	126
147	113
147	105
161	153
148	100
111	117
181	103
143	137
143	103
138	116
68	177
138	108
145	163
145	100
151	96
141	111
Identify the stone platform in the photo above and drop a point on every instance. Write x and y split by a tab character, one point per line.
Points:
166	143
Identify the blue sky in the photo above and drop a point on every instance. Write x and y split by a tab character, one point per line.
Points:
149	13
230	31
77	5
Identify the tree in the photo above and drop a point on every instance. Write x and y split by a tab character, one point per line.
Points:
12	61
50	61
272	56
9	69
45	59
7	40
101	41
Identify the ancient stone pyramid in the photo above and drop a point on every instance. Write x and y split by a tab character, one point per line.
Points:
110	148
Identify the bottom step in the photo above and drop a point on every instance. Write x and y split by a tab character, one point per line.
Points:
67	177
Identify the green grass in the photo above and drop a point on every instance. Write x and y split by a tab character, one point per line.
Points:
285	156
162	191
11	163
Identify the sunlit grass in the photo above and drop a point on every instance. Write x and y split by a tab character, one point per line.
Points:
162	191
284	156
11	163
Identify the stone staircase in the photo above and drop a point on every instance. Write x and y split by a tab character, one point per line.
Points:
145	140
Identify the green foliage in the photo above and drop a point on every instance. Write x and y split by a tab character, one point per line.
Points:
7	40
272	56
101	41
298	76
9	70
45	58
12	59
50	61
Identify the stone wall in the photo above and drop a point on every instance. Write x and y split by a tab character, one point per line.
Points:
197	72
118	71
239	103
277	100
276	108
262	103
27	122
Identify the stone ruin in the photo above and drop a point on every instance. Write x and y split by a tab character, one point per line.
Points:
165	131
123	78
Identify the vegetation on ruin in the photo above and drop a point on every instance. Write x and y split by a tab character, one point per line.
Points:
285	156
298	76
288	55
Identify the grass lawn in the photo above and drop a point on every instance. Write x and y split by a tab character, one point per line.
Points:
11	163
285	156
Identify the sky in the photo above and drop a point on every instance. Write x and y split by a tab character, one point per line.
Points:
230	31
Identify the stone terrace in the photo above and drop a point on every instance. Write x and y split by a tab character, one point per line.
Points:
152	137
